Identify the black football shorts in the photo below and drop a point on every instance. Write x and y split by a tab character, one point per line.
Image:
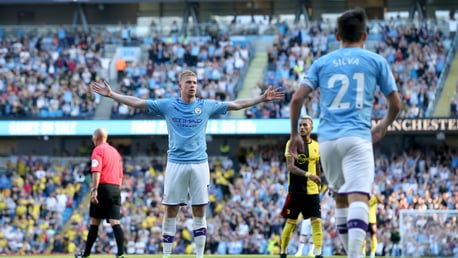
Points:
109	206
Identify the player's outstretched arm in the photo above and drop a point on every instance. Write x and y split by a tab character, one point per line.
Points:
393	110
104	89
270	94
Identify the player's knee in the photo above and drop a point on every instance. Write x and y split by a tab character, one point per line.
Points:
291	221
358	197
94	221
171	211
198	210
374	230
315	220
341	200
114	222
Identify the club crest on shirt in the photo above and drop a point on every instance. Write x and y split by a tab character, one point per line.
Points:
198	110
94	163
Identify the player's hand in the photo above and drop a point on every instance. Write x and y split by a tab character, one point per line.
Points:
378	132
295	144
101	87
273	94
94	197
315	179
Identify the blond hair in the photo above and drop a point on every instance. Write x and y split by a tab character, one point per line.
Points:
184	74
307	117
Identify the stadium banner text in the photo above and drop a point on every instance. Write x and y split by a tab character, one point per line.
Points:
214	127
423	125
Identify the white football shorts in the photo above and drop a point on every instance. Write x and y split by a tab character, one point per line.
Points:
306	228
186	181
348	164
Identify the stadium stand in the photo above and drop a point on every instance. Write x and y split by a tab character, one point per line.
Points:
47	76
57	86
38	196
44	74
246	198
221	65
416	53
454	104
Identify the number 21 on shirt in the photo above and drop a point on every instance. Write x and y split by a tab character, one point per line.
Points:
344	80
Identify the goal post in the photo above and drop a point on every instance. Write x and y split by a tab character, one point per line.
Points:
428	233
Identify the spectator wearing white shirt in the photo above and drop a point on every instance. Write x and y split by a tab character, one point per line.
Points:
452	25
140	247
51	203
40	173
131	247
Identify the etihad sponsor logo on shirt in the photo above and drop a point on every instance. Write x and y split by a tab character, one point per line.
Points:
187	122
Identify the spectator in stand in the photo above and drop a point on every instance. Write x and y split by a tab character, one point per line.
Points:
226	63
120	68
454	103
416	55
263	179
452	25
62	36
36	83
31	211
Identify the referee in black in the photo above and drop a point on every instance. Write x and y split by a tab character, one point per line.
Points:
107	173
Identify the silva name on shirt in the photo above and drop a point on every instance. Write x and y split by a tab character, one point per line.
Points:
345	61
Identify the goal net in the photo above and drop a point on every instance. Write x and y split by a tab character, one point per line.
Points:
430	233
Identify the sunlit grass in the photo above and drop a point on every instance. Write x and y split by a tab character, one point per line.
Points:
160	256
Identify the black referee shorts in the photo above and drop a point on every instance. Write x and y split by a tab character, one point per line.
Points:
308	205
109	206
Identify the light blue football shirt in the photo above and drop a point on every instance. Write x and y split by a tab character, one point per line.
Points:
347	79
186	126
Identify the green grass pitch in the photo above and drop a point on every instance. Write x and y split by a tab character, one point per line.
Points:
173	256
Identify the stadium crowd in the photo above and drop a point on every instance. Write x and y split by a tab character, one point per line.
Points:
246	196
37	197
454	103
220	64
49	76
40	201
417	55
